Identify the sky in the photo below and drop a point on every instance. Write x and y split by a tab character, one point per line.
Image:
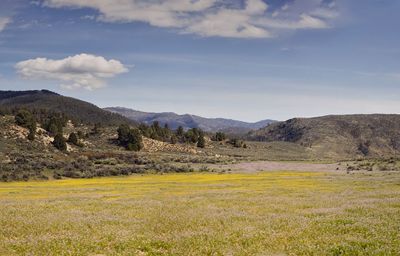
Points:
242	59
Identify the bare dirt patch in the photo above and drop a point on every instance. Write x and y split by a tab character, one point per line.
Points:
287	166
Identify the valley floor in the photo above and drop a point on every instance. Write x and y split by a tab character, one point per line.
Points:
256	166
253	213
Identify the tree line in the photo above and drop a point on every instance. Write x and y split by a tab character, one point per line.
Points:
53	123
128	137
131	139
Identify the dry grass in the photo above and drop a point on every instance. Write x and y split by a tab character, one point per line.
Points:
267	213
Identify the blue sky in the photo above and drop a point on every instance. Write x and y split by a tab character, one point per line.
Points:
247	60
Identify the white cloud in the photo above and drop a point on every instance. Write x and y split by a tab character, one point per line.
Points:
3	22
301	14
35	2
88	17
168	13
219	18
304	21
285	7
232	23
75	72
325	13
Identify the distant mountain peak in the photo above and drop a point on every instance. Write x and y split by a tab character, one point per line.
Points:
188	121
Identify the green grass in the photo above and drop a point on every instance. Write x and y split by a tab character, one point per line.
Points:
267	213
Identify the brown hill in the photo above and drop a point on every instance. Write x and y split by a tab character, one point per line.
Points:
76	110
339	136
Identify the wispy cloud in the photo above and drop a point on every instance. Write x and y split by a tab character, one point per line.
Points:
80	71
304	21
3	22
212	18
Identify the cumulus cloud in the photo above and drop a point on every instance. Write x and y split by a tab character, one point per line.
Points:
3	22
219	18
80	71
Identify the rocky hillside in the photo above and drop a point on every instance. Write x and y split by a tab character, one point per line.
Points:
339	136
77	110
191	121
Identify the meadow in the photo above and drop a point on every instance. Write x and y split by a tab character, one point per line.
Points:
261	213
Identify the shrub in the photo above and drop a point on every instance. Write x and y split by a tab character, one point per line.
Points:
123	131
219	136
59	142
96	130
134	140
54	124
364	148
192	135
237	143
74	139
174	139
131	139
201	143
81	135
180	132
25	119
32	131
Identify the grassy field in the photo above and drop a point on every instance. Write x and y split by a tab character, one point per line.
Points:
266	213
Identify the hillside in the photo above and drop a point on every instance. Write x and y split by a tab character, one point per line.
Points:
338	136
190	121
77	110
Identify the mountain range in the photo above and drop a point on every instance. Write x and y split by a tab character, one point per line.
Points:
188	121
333	136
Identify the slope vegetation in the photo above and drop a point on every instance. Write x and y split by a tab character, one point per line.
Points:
74	109
339	136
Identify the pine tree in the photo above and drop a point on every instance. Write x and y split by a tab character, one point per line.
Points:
73	138
201	142
134	140
96	130
32	131
25	119
54	125
131	139
220	136
180	132
59	142
174	139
